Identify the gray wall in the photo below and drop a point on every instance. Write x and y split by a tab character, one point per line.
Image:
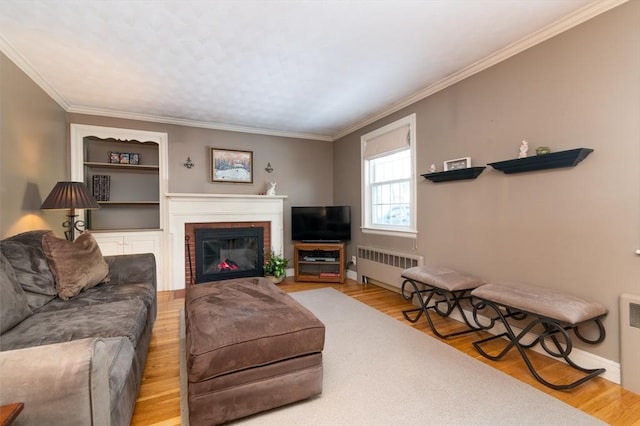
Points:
303	169
571	229
33	152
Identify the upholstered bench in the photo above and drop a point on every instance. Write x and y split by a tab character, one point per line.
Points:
439	289
250	347
554	313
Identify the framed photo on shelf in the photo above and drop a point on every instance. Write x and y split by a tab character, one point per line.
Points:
124	158
457	164
114	157
230	165
134	158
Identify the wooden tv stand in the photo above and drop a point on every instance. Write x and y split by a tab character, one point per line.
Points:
319	262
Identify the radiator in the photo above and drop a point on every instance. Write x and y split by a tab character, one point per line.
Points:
630	342
383	267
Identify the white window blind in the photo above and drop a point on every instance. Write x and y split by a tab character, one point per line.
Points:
388	143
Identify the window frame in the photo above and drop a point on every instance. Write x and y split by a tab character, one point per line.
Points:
367	226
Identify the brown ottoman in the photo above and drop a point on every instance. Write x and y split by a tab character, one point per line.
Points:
250	347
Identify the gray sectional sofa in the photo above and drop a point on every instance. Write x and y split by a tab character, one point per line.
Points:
77	361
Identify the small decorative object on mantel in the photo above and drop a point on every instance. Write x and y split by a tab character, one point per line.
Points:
272	189
432	168
524	149
541	150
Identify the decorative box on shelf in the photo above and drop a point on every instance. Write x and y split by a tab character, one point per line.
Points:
457	174
552	160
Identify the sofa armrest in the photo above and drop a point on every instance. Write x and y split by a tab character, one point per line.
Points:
132	268
62	383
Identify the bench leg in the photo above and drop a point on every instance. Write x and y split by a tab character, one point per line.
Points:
552	329
443	305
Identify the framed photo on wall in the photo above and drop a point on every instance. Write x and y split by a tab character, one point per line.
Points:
230	165
458	163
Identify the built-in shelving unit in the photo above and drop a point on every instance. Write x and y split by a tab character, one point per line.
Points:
458	174
319	262
552	160
131	219
133	200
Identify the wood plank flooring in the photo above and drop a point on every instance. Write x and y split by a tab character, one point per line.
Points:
159	399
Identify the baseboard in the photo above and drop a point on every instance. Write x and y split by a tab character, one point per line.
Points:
579	356
352	275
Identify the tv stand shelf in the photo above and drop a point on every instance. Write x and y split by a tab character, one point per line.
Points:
319	262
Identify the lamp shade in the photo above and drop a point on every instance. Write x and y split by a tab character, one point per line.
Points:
70	195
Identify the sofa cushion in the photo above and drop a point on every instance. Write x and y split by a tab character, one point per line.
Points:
24	252
76	265
106	294
13	302
125	318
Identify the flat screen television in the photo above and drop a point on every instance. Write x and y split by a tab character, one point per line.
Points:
321	223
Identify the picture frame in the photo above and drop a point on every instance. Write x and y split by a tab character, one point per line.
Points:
231	165
114	157
124	158
457	164
134	158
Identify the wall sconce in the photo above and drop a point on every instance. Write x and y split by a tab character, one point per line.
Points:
189	164
72	196
268	169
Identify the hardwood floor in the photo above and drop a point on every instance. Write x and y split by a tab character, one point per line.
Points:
159	399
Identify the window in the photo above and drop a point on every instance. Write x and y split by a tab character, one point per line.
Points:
388	179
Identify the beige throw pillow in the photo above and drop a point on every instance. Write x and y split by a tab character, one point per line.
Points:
76	265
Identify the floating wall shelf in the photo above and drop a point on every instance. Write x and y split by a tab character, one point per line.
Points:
459	174
553	160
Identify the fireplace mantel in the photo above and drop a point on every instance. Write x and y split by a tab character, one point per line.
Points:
202	208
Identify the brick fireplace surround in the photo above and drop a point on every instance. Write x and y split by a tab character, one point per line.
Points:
217	210
190	250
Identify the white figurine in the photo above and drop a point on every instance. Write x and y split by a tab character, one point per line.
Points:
272	189
432	168
524	148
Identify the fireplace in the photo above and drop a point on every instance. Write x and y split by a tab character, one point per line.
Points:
188	212
225	250
228	253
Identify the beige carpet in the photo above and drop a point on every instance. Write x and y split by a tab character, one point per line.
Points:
380	371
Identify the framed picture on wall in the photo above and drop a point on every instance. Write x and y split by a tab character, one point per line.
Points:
230	165
458	163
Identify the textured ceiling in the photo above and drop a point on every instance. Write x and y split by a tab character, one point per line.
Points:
299	68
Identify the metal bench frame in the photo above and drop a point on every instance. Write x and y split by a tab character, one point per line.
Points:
555	331
444	302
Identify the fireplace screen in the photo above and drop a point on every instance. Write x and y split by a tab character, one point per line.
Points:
224	253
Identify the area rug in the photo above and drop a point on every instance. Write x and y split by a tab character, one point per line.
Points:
380	371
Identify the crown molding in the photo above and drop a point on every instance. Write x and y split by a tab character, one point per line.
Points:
195	123
576	18
26	67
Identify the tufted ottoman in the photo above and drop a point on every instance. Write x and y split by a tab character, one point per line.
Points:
250	347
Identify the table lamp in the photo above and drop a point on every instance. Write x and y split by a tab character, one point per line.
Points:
72	196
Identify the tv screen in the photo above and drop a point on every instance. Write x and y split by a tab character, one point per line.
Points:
321	223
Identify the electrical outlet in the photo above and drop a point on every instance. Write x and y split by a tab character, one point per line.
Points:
353	260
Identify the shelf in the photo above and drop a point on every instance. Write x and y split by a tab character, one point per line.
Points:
459	174
316	268
129	203
553	160
121	166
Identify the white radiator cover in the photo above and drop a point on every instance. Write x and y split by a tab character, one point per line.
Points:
630	342
384	266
